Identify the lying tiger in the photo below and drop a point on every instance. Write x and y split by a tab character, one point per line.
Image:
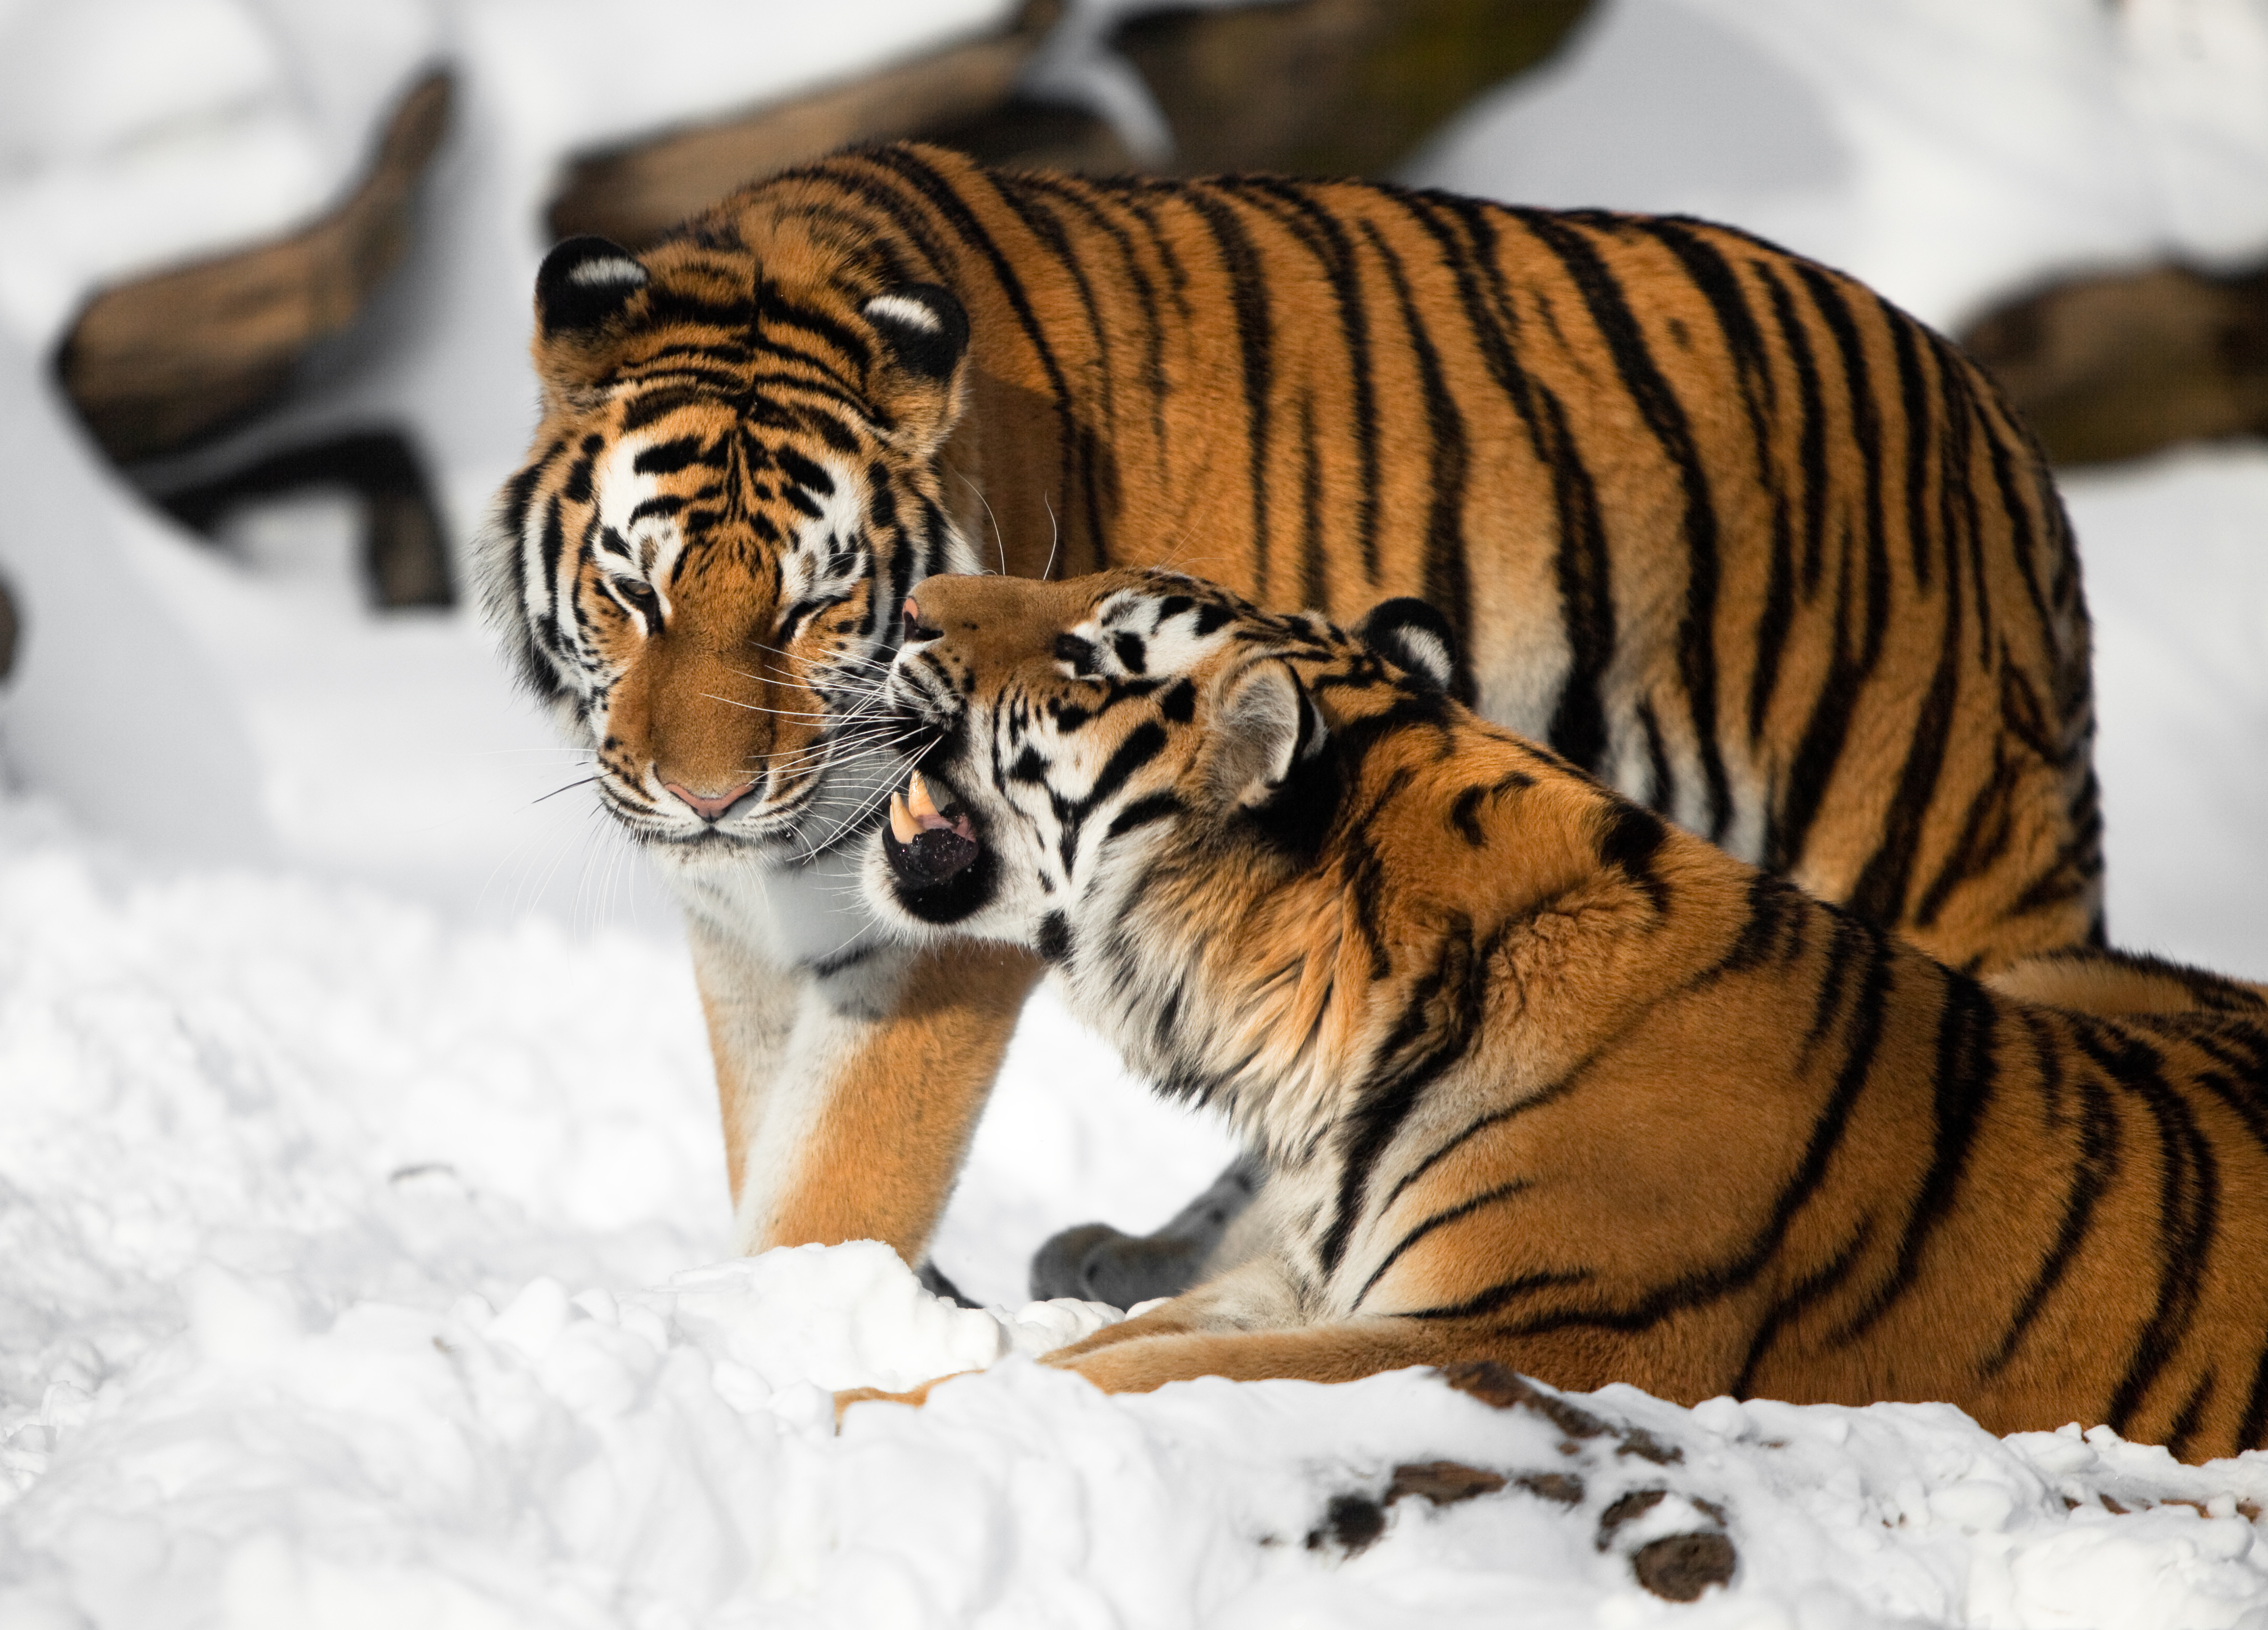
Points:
1542	1078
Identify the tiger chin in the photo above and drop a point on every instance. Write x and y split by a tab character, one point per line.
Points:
1539	1077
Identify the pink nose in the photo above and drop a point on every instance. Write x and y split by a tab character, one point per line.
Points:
711	808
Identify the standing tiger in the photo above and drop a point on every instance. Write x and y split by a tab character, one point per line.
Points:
1540	1078
1717	523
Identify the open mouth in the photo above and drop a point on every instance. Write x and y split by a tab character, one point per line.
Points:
927	841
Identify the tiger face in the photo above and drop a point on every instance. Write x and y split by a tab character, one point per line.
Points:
1073	728
734	483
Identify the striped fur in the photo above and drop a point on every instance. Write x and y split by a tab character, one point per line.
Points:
1540	1077
1716	523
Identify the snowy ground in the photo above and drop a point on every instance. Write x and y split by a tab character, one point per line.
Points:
361	1159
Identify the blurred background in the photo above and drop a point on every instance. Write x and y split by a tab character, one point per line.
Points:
264	291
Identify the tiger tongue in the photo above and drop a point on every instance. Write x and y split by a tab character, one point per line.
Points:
924	846
933	856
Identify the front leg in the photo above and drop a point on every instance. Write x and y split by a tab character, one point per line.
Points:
849	1097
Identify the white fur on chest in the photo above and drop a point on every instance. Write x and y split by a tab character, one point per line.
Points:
807	917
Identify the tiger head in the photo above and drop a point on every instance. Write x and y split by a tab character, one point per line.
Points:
734	483
1078	732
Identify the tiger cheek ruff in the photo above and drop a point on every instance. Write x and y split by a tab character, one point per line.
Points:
1543	1080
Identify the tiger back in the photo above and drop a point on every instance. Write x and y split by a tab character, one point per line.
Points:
1540	1077
1714	523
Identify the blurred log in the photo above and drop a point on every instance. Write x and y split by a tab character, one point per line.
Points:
9	628
1324	87
2105	367
1330	87
635	194
405	556
165	360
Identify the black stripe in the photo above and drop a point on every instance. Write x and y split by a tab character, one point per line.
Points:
1827	298
1665	417
2187	1206
1496	1296
938	192
1811	421
1154	807
2093	1170
1315	582
1581	564
1472	1129
1464	231
1441	1012
1439	1219
1445	582
1064	190
1961	1086
2254	1424
2191	1412
1805	1294
1144	742
1862	1039
1325	235
1028	205
1661	780
1915	397
1247	298
1880	890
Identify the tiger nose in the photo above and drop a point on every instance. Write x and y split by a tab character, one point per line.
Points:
709	809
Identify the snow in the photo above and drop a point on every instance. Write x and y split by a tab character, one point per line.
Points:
362	1189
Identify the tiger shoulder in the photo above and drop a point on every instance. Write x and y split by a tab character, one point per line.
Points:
1542	1078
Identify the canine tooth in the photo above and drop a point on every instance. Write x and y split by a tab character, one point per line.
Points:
925	808
902	824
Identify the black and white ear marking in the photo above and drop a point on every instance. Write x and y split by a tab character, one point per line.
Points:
584	282
1267	726
1414	637
924	326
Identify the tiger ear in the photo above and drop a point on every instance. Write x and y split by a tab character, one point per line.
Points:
916	380
584	285
1414	637
1266	727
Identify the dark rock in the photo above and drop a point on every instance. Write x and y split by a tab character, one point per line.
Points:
1444	1482
1637	1504
1500	1388
1350	1522
1679	1567
1639	1442
1556	1486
